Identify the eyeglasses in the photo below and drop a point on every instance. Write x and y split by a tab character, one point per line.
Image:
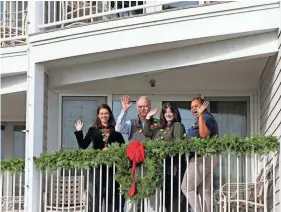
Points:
142	106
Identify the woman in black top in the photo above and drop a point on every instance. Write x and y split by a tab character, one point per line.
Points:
169	129
102	135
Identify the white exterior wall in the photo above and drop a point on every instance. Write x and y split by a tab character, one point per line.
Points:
13	60
182	34
270	112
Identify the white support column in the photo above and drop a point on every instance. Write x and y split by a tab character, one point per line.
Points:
34	132
34	113
35	16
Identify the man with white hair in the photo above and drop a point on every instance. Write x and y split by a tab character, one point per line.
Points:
134	129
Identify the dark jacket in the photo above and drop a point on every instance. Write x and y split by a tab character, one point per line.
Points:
94	135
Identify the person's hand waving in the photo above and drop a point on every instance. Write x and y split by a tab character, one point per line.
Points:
126	104
151	113
200	110
79	125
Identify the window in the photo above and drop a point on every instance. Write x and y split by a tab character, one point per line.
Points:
180	4
232	116
73	109
231	113
19	141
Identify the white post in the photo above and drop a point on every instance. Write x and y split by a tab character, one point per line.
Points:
34	132
34	114
35	16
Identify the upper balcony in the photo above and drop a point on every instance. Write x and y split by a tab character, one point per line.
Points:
66	14
116	29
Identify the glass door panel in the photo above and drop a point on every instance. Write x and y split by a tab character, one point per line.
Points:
19	141
232	116
19	152
74	108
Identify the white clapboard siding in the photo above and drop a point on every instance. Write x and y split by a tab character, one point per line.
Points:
270	117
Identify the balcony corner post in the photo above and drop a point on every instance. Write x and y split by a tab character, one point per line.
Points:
34	131
35	16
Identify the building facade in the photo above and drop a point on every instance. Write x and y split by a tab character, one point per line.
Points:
61	59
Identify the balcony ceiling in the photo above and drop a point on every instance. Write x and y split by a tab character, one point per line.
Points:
227	51
103	56
235	76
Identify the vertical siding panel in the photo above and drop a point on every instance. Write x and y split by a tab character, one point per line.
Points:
270	115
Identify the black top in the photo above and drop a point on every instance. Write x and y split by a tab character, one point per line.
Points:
94	135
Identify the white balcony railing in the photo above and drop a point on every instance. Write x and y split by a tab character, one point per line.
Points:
12	191
13	22
59	14
224	183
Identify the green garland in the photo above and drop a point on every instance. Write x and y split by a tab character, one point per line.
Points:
13	165
155	152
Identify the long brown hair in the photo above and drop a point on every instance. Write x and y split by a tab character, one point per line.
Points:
111	120
175	111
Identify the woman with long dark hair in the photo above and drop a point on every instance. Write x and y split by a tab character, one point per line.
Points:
169	129
102	134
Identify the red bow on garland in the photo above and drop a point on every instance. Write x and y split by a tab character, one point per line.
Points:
135	152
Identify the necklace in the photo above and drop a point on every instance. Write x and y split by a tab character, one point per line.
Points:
153	126
105	132
163	132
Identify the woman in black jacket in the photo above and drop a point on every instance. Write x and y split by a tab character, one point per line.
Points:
102	135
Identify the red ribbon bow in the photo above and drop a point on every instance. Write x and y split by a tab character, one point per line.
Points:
135	152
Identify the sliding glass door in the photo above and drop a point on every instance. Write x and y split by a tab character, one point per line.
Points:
232	116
